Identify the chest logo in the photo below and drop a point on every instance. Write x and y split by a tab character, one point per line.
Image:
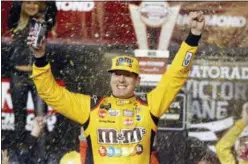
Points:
125	136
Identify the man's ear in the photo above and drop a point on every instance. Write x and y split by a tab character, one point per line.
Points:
137	81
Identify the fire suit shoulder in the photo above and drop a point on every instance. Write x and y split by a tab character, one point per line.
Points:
95	101
142	99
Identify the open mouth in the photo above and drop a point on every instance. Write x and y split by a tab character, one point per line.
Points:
121	86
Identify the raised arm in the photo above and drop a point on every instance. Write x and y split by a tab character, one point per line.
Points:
72	105
224	146
173	80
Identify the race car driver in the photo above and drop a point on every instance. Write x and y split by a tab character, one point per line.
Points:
119	128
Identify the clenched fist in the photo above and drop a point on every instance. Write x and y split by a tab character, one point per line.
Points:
196	22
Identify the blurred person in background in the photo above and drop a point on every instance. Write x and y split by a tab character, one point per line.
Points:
235	139
188	150
5	157
176	140
110	121
27	155
19	22
72	157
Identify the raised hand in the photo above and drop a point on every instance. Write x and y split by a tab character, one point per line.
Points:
244	114
196	22
38	126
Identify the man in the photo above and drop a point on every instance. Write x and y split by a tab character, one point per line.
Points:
227	142
120	128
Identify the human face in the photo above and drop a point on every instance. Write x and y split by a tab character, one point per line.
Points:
30	8
242	149
123	84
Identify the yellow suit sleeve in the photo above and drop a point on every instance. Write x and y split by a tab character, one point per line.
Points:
172	81
72	105
224	146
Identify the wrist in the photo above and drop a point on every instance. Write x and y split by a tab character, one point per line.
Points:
196	32
193	39
41	61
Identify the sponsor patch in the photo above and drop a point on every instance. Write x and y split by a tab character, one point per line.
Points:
102	151
106	121
112	136
114	112
105	106
138	117
128	122
187	59
121	102
139	149
128	113
102	113
124	61
117	152
110	151
125	151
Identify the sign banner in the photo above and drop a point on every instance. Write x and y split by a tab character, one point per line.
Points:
99	23
216	93
7	117
175	119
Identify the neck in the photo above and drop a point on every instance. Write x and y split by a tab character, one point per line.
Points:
123	97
